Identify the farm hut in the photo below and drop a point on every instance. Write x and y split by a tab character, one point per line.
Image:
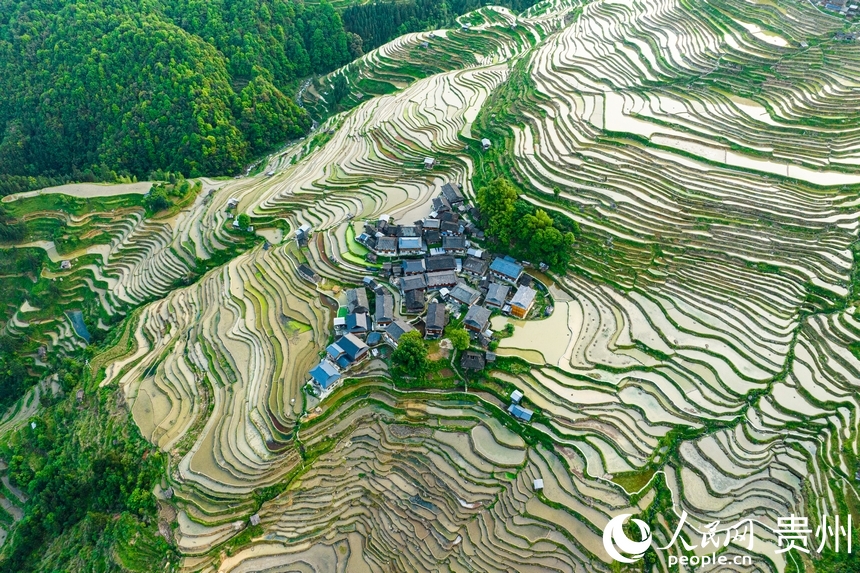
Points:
308	274
519	412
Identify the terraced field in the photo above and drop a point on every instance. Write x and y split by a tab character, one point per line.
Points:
701	356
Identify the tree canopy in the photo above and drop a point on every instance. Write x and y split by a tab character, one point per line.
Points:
113	86
410	356
459	338
522	229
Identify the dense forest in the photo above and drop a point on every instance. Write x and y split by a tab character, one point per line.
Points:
92	90
523	230
122	86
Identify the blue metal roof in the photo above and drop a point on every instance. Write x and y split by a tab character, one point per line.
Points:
351	345
410	243
374	338
325	374
334	350
506	268
520	412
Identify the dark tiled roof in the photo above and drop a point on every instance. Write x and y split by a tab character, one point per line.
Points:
413	266
452	193
441	279
475	266
384	307
472	361
386	244
414	282
497	294
436	316
441	263
356	300
398	328
454	243
478	316
414	300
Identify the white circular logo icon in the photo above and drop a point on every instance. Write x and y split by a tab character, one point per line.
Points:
614	536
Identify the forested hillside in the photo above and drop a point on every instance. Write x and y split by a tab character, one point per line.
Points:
92	90
189	86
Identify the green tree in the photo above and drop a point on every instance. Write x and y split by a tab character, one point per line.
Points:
497	204
410	356
244	220
459	338
156	200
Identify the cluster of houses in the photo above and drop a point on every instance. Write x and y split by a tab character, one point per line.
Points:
436	272
849	8
444	231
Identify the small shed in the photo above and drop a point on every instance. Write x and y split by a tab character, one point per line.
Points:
66	265
516	396
538	484
521	413
255	519
429	162
485	144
